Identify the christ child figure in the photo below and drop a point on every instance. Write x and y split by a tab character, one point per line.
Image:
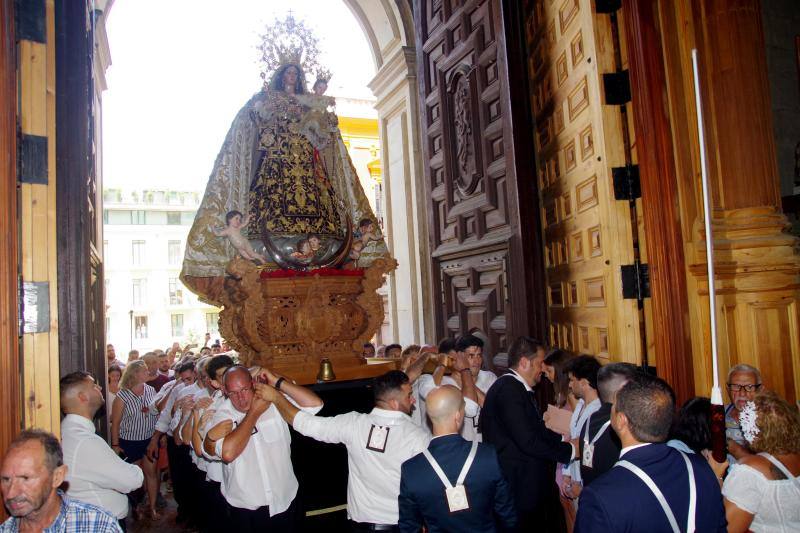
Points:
235	222
304	250
355	253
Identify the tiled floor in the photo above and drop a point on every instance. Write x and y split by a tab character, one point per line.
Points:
165	525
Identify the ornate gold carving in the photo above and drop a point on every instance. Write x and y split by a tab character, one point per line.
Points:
288	324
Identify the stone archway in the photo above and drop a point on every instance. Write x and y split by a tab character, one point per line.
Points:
389	28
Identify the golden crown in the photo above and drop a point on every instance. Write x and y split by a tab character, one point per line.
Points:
289	41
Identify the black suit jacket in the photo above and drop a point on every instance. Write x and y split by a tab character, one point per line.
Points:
619	501
422	497
528	451
606	449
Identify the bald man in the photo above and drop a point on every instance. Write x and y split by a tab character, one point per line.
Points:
454	485
95	473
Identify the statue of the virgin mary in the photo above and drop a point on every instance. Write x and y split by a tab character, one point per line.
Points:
283	191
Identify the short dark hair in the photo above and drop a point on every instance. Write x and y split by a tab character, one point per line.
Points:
388	384
115	368
692	426
67	382
465	341
522	346
369	345
584	367
611	377
447	345
364	222
234	213
184	367
53	455
218	362
649	405
392	347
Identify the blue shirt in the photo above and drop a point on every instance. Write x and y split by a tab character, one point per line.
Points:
74	517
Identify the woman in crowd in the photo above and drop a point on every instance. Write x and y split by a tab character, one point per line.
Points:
691	431
554	369
114	375
132	425
762	491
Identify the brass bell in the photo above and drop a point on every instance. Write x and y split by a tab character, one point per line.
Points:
325	370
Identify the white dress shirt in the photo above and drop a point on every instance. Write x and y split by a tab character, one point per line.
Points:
373	484
471	408
579	417
470	428
177	416
214	465
95	473
262	474
165	416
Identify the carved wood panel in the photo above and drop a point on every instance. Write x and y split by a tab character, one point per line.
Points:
472	173
587	234
471	170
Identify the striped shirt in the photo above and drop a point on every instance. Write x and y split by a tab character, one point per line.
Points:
74	517
137	423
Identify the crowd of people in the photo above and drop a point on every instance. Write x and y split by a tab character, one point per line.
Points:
557	442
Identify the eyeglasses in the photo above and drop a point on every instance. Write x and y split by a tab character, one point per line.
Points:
735	387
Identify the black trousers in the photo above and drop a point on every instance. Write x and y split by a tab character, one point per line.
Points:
183	480
259	520
217	513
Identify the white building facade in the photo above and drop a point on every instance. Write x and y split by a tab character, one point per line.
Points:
147	306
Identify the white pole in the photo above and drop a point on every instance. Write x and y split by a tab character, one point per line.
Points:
716	393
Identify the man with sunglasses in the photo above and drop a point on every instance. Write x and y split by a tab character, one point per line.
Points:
744	382
251	438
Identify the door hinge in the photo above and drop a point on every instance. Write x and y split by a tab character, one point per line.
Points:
635	281
617	87
627	185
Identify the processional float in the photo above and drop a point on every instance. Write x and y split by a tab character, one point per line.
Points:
285	240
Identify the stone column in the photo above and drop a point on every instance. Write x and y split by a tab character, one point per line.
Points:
395	87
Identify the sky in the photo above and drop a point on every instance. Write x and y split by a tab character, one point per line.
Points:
182	69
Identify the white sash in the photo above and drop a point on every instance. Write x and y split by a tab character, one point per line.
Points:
462	476
690	521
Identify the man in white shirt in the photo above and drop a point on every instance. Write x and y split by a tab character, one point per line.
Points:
377	445
582	372
248	434
165	404
95	473
472	347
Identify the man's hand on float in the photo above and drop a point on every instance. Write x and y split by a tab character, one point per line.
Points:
203	403
259	405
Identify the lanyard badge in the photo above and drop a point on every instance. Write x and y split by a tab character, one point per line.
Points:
378	436
456	496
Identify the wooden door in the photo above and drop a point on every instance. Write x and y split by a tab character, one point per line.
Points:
582	132
484	277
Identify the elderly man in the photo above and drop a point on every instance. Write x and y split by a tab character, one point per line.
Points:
32	471
744	381
95	473
528	451
249	435
377	444
428	494
653	487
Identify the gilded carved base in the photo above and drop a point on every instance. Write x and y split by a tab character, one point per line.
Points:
289	324
758	289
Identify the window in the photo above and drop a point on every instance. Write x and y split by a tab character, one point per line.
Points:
140	327
139	291
175	292
139	217
137	253
173	218
174	252
177	326
212	323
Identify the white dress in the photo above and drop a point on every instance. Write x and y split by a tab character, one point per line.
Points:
775	504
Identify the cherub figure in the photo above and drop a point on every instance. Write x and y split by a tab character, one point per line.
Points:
315	243
235	222
367	229
304	250
355	253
